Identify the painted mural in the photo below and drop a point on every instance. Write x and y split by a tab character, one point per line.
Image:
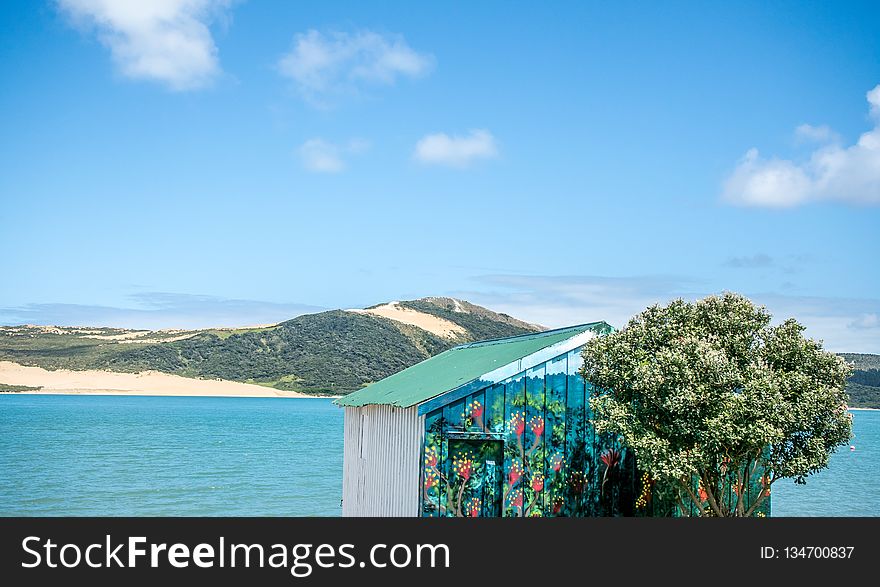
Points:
524	447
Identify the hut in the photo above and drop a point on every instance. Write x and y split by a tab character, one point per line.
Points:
494	428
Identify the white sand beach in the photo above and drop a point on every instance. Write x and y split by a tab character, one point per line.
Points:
64	381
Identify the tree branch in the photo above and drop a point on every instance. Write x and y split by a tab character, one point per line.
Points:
711	497
740	489
681	507
765	493
758	502
693	496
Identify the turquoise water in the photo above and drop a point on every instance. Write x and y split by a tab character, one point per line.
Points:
850	486
77	455
140	456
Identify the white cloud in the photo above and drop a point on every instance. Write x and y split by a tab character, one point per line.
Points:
320	156
807	133
456	151
874	100
844	324
167	41
323	156
831	173
325	66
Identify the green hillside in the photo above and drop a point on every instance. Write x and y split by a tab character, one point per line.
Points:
326	353
864	384
861	361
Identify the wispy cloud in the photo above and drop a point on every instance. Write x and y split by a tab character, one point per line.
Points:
456	151
156	310
749	262
572	299
322	156
325	67
167	41
786	264
807	133
845	324
866	321
832	172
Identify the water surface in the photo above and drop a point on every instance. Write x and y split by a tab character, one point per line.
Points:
186	456
162	456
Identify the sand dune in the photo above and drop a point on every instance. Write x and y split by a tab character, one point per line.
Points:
63	381
432	324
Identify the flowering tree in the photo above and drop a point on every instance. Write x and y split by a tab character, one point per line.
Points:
715	401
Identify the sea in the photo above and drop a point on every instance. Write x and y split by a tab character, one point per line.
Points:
194	456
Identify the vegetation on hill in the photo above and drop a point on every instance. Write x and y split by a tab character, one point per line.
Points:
329	352
864	384
862	361
4	388
863	396
326	353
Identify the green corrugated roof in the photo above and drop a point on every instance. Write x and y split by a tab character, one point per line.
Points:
457	366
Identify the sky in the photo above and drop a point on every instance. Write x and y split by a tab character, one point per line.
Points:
190	163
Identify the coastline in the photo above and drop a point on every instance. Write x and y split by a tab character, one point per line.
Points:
149	383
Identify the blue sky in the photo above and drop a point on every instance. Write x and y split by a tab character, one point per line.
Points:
197	162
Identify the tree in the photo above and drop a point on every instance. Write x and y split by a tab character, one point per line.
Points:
712	398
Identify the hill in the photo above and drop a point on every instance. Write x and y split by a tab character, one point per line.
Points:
861	361
864	384
332	352
325	353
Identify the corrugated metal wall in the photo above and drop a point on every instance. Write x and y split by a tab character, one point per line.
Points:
380	473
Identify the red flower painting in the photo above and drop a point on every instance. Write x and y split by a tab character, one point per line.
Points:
610	458
517	424
463	466
476	409
473	415
430	479
537	425
516	472
537	482
516	499
702	493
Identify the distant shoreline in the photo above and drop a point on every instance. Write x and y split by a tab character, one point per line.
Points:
146	383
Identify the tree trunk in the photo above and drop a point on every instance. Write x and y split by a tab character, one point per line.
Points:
693	496
740	490
711	497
